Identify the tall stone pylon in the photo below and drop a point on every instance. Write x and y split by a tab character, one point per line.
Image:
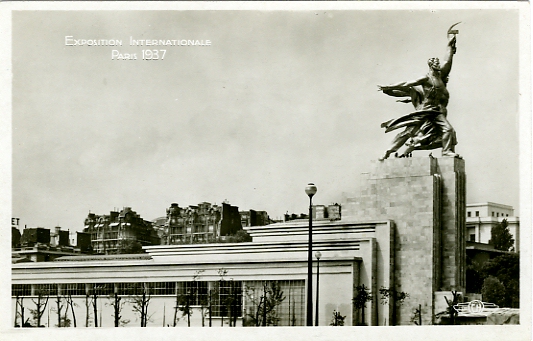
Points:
426	200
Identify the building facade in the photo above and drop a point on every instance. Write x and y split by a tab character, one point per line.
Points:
200	223
38	244
254	218
482	217
111	233
243	271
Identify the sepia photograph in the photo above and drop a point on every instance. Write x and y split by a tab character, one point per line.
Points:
329	170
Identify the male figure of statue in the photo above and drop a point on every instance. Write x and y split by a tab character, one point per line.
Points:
427	127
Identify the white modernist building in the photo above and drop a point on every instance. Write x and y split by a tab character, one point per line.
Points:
482	217
352	255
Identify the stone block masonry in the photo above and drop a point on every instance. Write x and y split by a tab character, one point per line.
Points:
425	197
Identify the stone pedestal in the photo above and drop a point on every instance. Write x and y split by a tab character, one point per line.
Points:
425	197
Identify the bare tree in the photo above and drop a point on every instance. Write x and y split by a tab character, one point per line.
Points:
91	300
185	303
264	312
204	299
118	304
225	295
116	309
141	302
19	304
221	272
40	305
61	320
71	304
95	304
231	302
190	297
210	307
176	306
59	307
205	306
227	300
16	311
87	308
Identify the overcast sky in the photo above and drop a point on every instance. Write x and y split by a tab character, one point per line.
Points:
279	99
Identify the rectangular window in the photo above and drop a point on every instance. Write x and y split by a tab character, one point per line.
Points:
226	299
20	290
73	289
195	293
493	214
163	288
469	214
45	290
498	214
133	289
472	237
285	303
151	288
477	213
101	289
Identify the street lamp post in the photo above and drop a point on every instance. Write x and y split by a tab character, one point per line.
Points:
317	255
310	190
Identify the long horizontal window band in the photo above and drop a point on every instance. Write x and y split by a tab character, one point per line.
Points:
200	289
257	303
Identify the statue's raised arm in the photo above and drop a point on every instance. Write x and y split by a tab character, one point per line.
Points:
450	51
448	59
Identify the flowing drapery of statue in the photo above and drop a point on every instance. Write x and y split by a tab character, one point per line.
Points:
427	127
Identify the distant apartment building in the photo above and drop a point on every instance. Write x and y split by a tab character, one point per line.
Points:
200	223
319	212
39	244
254	218
35	235
194	223
111	233
482	217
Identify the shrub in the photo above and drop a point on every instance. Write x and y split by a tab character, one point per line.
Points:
493	291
